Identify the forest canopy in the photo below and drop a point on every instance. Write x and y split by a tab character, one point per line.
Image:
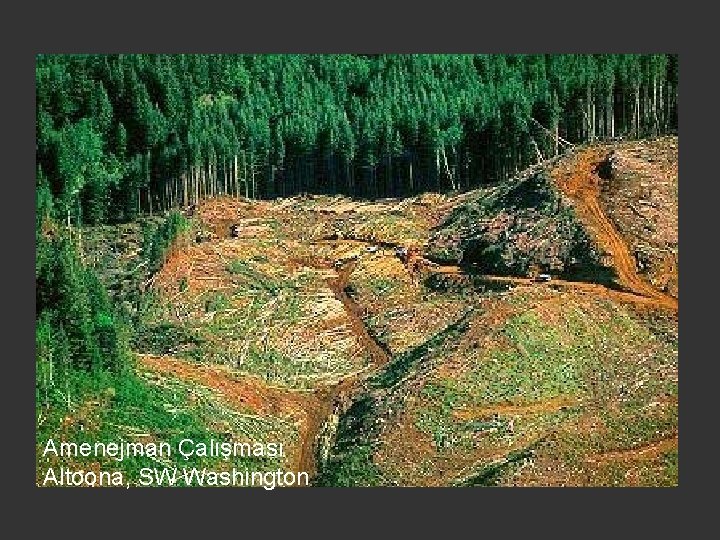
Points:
118	135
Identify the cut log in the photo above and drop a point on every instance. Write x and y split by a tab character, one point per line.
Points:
553	135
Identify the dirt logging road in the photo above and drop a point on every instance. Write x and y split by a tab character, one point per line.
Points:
646	452
581	184
307	409
314	412
378	354
317	412
637	300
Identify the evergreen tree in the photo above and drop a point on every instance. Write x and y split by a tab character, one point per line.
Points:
177	128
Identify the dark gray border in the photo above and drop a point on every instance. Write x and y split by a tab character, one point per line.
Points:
337	27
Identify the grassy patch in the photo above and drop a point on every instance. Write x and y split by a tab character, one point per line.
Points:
383	286
409	361
549	367
217	302
492	474
516	226
353	468
165	338
100	406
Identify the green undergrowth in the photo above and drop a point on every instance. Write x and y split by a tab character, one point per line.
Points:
351	460
551	366
245	326
408	363
518	226
142	407
158	239
490	475
597	359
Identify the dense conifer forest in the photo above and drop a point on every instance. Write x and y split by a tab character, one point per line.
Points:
126	142
121	135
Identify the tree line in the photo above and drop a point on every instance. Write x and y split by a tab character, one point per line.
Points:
118	135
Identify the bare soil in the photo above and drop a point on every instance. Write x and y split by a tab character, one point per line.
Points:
579	180
381	302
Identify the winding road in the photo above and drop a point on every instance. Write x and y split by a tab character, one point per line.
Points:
582	186
316	410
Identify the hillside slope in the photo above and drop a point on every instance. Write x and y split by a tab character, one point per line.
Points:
405	341
563	383
516	227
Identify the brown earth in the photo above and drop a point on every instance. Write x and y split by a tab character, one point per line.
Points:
379	355
309	410
641	301
640	195
550	405
645	452
579	180
311	233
